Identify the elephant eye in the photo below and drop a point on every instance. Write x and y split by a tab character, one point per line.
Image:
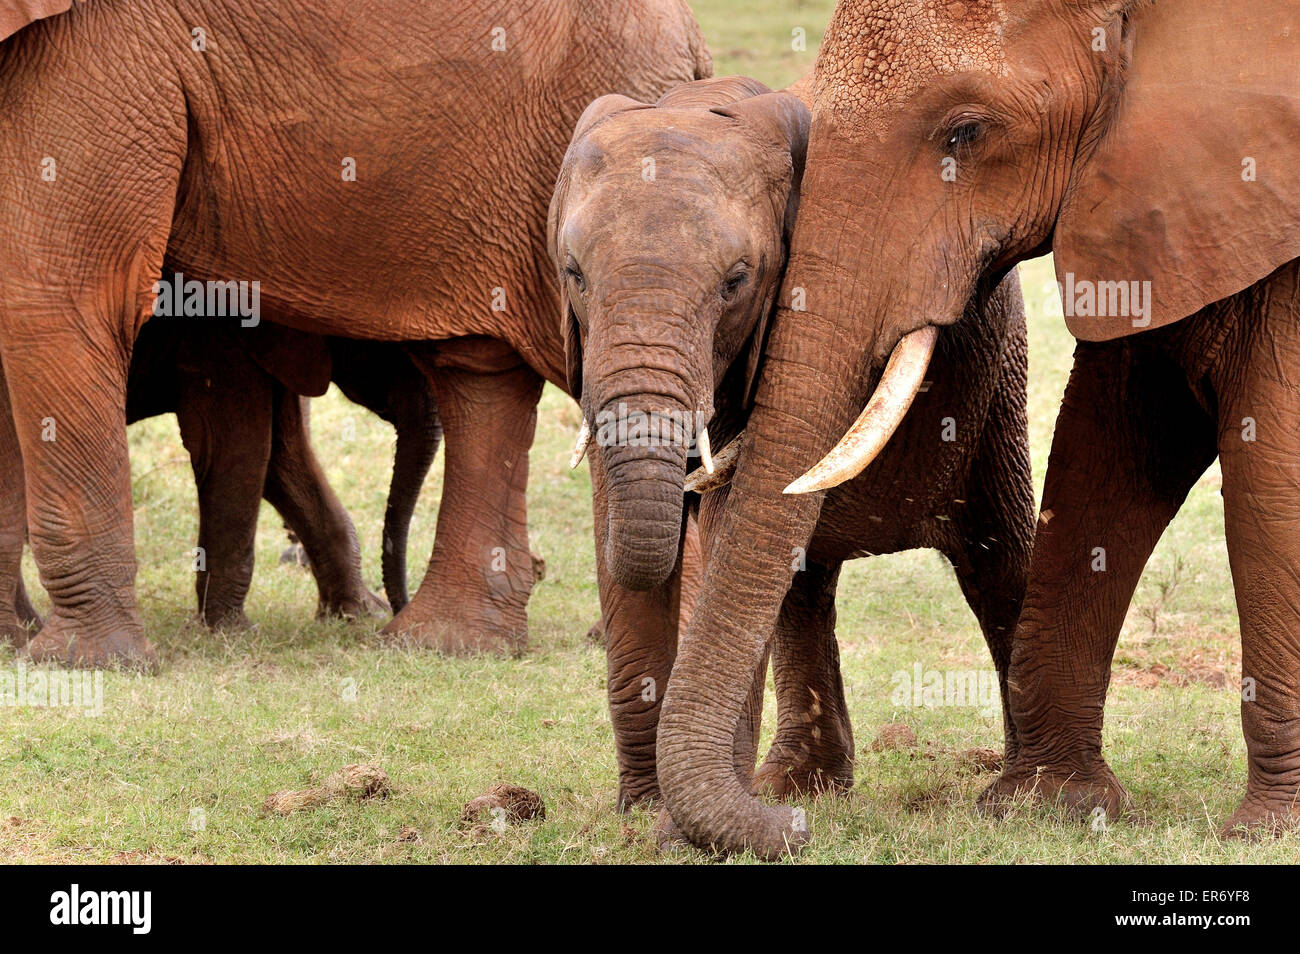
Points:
734	282
574	274
963	135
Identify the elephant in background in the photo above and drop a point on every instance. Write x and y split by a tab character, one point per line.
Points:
391	196
241	401
668	285
1152	148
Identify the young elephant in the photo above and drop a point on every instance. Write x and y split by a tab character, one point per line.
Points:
669	281
240	397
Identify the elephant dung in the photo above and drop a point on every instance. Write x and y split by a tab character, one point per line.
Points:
504	803
354	781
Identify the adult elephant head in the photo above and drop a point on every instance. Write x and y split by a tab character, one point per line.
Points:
950	140
669	228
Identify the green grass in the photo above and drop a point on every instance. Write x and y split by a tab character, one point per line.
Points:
235	717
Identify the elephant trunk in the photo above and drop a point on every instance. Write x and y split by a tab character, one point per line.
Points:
814	383
645	425
734	618
419	432
644	480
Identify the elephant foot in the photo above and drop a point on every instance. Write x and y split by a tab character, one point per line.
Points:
784	779
15	631
365	605
457	633
668	837
1091	794
637	791
1263	815
67	643
228	621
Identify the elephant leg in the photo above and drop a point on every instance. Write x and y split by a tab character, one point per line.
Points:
474	596
17	617
78	489
82	254
296	486
641	644
1259	447
1130	442
994	537
229	454
813	748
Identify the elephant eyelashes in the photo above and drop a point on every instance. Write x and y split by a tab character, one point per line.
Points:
574	274
964	134
733	285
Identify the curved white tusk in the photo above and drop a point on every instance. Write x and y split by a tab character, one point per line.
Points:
580	449
903	377
706	452
700	481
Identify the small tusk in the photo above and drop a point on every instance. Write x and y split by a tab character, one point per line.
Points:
580	449
867	437
706	453
700	482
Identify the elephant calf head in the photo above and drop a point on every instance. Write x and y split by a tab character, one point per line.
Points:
669	229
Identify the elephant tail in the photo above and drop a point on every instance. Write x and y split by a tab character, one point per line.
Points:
419	432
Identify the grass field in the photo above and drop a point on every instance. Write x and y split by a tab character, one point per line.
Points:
178	765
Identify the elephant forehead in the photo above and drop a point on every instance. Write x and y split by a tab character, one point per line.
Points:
877	54
671	145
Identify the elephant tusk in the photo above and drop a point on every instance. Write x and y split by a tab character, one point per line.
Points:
700	481
706	452
898	386
580	449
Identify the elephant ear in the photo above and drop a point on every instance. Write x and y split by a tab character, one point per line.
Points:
782	120
594	115
1195	186
298	360
16	14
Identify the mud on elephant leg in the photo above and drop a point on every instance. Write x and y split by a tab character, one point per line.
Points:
1130	442
229	454
297	488
474	596
813	748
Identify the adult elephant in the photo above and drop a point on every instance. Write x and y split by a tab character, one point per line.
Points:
1141	143
382	170
241	401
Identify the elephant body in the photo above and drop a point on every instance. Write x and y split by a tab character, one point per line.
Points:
1151	148
728	156
382	171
